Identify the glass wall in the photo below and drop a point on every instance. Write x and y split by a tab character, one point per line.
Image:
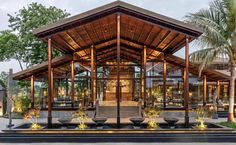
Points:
154	84
174	87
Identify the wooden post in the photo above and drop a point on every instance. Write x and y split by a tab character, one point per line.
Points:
72	83
32	90
118	71
133	85
103	84
49	121
164	83
67	89
52	87
186	83
217	96
144	75
96	80
218	89
204	90
198	88
92	75
141	76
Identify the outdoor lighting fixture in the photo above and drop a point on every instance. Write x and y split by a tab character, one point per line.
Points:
201	114
32	116
152	114
44	92
190	94
81	116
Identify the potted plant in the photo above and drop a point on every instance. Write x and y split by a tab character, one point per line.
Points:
32	116
152	114
200	114
81	116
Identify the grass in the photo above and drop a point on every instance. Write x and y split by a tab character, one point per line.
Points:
229	124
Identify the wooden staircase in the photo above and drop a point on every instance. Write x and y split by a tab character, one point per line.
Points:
125	111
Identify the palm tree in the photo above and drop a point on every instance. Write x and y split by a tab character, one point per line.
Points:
218	23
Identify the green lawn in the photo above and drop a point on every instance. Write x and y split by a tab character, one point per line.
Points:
230	125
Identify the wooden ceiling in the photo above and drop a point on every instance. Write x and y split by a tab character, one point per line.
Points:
98	28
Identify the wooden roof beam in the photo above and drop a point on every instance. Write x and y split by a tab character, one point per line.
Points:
68	45
171	41
73	39
149	33
105	42
88	34
163	38
106	52
140	45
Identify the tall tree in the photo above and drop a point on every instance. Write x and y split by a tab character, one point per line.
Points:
11	48
219	39
19	42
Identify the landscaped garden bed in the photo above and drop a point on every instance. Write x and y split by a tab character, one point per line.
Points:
162	127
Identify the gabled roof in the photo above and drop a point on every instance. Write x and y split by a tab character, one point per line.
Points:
118	6
98	27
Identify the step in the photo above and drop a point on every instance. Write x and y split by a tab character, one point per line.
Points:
125	111
222	114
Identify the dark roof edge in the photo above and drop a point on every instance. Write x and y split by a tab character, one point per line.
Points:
121	4
40	66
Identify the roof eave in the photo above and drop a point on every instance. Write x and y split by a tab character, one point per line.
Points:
109	7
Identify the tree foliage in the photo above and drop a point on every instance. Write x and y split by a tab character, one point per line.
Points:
218	40
19	42
3	80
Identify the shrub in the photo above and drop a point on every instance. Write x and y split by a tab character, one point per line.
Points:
21	104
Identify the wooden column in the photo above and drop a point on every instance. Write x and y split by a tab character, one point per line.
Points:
92	75
164	83
96	80
199	88
52	87
133	85
72	82
186	83
141	80
32	90
103	84
218	89
204	90
118	71
67	89
144	75
49	121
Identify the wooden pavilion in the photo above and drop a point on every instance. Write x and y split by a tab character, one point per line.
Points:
117	41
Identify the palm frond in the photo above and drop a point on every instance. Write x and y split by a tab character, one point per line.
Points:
207	56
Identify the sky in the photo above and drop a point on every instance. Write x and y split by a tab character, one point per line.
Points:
176	9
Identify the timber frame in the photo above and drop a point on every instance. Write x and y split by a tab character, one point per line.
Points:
115	32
